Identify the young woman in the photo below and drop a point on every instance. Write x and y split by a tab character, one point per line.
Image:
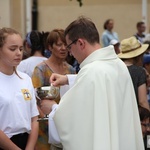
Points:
18	110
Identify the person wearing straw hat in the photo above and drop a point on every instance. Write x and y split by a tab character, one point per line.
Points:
132	54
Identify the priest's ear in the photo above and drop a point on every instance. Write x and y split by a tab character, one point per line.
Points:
81	42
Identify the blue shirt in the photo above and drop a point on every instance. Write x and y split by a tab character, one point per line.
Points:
107	36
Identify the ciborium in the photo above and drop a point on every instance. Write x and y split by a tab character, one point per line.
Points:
47	92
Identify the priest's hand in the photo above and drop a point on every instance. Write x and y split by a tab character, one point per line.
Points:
46	106
58	80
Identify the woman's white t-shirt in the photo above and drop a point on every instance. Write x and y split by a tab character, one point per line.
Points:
17	103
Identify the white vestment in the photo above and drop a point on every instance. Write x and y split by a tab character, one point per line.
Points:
99	112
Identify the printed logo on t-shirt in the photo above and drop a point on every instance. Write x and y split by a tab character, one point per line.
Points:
26	94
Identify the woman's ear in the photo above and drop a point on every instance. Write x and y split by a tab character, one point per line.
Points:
50	47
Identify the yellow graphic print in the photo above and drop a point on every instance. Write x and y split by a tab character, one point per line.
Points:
26	94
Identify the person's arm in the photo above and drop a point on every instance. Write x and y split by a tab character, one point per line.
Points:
59	80
34	123
46	106
52	131
50	107
142	95
64	81
105	40
33	135
6	143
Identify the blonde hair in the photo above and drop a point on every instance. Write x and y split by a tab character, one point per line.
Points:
4	32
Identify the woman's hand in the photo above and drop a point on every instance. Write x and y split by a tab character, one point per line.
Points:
46	106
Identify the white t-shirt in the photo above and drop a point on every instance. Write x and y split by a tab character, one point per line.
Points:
28	65
17	103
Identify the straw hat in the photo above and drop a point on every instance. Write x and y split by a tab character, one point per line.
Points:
131	48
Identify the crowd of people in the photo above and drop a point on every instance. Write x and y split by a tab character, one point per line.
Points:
104	100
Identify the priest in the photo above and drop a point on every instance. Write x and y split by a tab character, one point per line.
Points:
99	111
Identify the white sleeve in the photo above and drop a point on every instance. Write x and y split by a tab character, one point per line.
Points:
71	79
65	88
52	131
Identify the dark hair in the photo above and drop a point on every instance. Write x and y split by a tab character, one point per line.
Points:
106	23
45	35
53	37
146	42
137	59
139	23
144	113
83	28
35	41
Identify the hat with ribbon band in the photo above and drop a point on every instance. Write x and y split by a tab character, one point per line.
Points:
131	47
